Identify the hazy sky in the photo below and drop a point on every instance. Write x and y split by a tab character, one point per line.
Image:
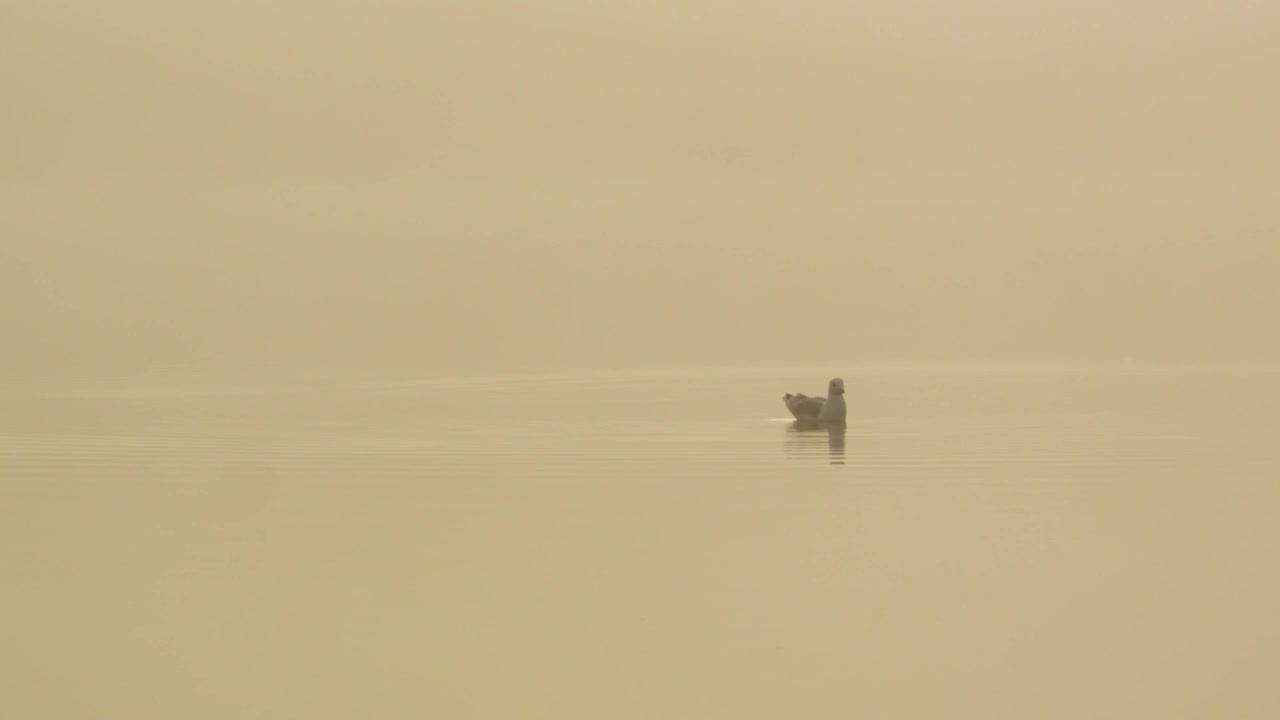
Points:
418	188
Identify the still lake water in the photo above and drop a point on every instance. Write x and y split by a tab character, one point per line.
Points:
976	543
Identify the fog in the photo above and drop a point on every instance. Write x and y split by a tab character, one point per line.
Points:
363	355
396	189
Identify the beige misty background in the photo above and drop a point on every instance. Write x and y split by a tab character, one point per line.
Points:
404	189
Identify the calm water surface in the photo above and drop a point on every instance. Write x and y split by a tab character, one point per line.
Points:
977	543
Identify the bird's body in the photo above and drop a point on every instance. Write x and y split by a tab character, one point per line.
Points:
830	409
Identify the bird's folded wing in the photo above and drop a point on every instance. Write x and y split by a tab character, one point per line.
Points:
807	406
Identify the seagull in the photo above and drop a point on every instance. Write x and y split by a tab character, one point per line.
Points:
830	409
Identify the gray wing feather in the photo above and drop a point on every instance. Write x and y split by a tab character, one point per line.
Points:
805	407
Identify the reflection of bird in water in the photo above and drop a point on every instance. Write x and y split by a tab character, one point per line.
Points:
830	409
805	437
